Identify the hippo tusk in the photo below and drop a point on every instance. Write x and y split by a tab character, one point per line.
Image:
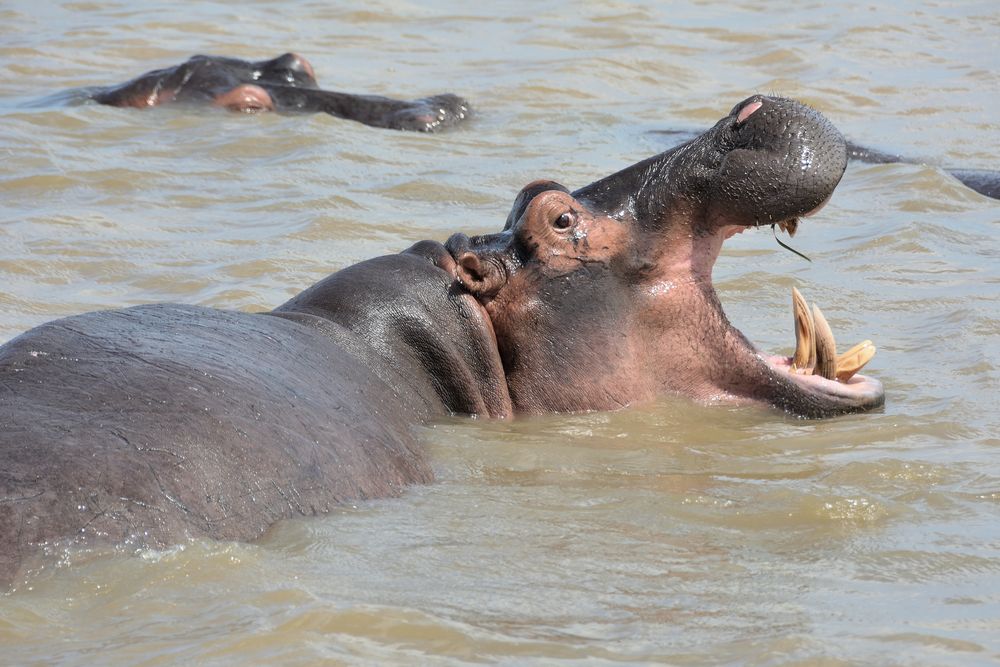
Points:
854	360
816	348
789	226
805	339
826	346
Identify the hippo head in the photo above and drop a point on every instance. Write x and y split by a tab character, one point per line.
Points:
238	85
241	85
603	297
284	84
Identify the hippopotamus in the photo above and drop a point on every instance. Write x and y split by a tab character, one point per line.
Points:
148	425
984	181
284	84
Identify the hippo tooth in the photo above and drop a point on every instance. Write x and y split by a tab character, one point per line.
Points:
826	347
805	338
854	360
789	226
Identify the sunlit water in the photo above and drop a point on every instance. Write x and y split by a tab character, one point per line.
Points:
667	533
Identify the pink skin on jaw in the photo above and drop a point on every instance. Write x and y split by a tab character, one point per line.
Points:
857	386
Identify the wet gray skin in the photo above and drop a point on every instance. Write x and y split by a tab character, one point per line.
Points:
984	181
286	84
629	312
148	425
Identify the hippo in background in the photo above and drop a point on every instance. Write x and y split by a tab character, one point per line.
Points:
149	425
286	84
984	181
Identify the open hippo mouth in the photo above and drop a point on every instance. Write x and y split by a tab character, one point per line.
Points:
603	297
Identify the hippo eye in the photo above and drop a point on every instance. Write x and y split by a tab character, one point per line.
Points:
564	221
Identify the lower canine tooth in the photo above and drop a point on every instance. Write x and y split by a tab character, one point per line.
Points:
854	360
805	338
826	347
816	349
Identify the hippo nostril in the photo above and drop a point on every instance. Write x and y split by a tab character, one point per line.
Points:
748	111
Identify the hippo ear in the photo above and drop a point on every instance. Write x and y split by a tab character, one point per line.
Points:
481	277
524	197
290	68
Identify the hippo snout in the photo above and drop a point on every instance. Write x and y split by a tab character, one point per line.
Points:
780	160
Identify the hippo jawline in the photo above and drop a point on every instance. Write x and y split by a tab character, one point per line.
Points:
801	386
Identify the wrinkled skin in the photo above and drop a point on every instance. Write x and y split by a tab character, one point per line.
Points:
984	181
285	84
603	297
147	425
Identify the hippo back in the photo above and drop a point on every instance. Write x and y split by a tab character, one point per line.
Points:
149	424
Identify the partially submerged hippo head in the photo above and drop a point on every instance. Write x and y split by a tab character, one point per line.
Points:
603	297
283	84
227	82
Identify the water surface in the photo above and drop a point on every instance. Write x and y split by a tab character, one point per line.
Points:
668	533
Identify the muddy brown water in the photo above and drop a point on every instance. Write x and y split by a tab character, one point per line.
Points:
662	534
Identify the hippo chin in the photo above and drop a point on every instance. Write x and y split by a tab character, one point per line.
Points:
284	84
147	425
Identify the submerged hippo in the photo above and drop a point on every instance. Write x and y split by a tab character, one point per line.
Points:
150	424
984	181
285	84
288	84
